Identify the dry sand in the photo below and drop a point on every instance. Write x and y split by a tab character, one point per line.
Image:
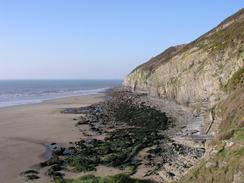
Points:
24	130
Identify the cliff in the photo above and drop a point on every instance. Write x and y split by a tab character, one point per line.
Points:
207	73
195	72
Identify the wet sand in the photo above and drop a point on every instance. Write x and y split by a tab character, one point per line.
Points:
24	131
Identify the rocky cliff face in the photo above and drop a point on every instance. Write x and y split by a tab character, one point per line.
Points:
196	72
207	74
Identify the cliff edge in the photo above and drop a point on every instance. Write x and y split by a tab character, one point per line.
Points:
195	72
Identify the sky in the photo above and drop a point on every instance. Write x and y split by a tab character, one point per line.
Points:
97	39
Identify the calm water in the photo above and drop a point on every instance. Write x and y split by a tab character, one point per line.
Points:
18	92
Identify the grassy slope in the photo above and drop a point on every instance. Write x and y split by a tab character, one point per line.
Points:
227	165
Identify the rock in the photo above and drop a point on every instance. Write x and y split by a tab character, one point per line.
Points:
229	144
211	165
191	132
56	168
30	175
238	177
68	152
55	148
171	174
29	172
53	170
52	161
222	164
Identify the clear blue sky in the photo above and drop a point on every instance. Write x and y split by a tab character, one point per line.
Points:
104	39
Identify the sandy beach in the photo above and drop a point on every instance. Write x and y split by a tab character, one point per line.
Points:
24	131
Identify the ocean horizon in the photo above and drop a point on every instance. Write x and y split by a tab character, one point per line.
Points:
21	92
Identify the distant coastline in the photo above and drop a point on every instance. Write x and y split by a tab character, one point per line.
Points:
22	92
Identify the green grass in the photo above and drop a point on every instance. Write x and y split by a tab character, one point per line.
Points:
229	163
229	160
80	163
120	178
239	135
236	80
225	38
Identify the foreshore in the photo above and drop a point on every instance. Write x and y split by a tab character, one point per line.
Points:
103	135
26	129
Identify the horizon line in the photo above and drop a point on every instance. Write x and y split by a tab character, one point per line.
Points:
58	79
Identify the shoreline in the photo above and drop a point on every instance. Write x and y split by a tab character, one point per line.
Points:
77	124
26	129
148	150
39	101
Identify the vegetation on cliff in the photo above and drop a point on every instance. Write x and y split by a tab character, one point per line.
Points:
226	164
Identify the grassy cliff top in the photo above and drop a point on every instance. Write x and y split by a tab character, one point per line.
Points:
227	34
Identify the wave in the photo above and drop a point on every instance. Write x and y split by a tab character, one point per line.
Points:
38	96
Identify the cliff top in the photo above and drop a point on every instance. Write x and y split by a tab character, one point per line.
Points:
227	33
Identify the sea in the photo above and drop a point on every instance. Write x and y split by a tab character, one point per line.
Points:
20	92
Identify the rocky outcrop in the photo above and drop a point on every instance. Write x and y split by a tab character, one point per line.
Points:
196	72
